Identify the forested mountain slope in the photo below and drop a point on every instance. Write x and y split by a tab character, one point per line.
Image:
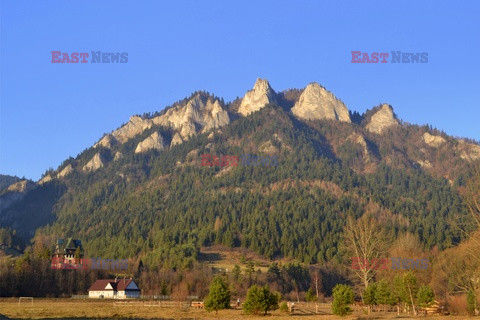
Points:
142	191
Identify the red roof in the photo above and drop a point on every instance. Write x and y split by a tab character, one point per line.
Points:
119	285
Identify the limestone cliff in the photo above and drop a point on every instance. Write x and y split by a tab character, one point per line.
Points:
432	140
176	139
359	139
200	114
45	179
154	141
65	171
468	151
317	103
107	141
382	119
14	193
135	126
95	163
257	98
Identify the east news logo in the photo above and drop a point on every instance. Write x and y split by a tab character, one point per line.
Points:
96	57
396	57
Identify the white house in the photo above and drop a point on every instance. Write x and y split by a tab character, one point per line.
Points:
114	289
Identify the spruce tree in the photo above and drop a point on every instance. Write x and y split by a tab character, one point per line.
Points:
219	295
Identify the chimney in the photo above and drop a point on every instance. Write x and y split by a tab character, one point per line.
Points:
123	279
116	279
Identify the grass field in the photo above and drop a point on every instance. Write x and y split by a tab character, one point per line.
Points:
89	309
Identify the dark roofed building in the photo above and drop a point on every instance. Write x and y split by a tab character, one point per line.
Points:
66	250
114	289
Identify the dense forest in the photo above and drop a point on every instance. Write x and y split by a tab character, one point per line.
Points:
164	206
159	208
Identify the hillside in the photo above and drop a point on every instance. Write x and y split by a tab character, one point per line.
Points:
141	191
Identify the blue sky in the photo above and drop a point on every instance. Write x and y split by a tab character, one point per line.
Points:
52	111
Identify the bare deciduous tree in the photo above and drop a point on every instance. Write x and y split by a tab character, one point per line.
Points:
472	195
364	239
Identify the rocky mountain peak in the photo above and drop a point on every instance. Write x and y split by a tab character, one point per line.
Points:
257	98
382	119
316	103
200	114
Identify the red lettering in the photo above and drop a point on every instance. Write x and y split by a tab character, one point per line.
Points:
383	264
355	55
84	55
355	265
234	161
365	58
65	58
75	57
375	57
55	55
384	56
224	161
205	158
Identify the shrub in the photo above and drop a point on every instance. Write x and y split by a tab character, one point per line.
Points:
310	296
425	296
342	296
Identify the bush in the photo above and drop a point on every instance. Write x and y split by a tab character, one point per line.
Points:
260	299
369	295
471	303
310	296
284	307
342	296
425	296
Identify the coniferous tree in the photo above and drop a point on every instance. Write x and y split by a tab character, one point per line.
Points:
342	298
218	296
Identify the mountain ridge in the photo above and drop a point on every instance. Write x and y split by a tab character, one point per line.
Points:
327	168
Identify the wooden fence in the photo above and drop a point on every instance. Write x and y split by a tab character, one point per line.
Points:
161	304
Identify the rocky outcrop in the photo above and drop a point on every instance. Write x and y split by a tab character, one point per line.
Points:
425	164
107	141
382	119
317	103
45	179
188	129
257	98
14	193
21	186
154	141
268	148
118	156
65	171
95	163
135	126
176	139
468	151
199	115
433	141
359	139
